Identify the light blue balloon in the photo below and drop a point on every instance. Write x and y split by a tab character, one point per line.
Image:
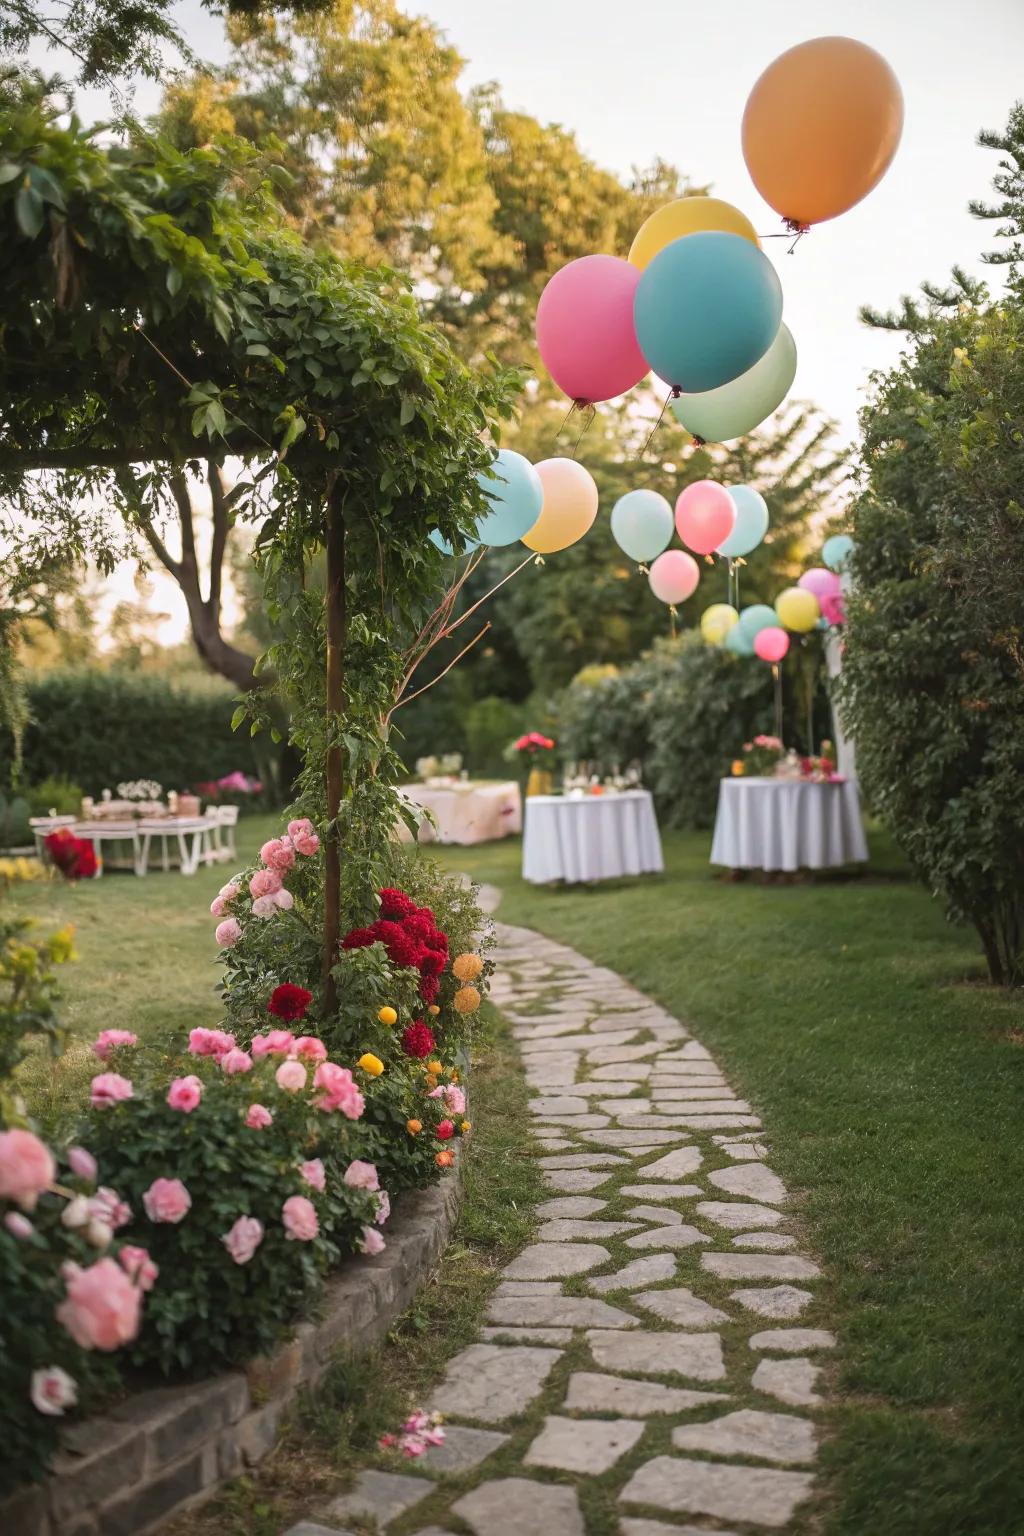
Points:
706	309
642	524
737	642
440	542
837	551
516	494
755	618
751	522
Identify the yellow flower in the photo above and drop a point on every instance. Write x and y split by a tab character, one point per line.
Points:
414	1127
466	1127
387	1015
430	1080
371	1064
467	967
435	1066
61	943
434	1010
467	1000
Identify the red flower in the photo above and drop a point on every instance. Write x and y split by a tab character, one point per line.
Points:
74	856
419	925
428	914
359	938
403	948
437	941
418	1040
431	963
289	1002
395	903
445	1130
429	988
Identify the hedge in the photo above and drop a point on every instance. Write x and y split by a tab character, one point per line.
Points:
100	728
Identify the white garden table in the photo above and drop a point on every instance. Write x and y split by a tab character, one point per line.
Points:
110	831
194	836
590	837
782	825
466	813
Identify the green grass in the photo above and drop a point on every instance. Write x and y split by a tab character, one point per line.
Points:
892	1086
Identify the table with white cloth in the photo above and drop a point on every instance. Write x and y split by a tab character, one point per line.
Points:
465	812
782	825
590	837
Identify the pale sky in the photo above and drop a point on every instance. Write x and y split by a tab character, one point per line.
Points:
657	77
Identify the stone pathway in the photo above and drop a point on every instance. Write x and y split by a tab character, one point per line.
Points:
651	1357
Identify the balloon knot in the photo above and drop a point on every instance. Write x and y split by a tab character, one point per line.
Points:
797	227
699	442
673	610
709	559
539	560
643	569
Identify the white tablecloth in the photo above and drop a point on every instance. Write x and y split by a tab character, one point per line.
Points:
787	824
469	813
596	837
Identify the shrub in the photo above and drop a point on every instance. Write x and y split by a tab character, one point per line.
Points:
15	831
55	793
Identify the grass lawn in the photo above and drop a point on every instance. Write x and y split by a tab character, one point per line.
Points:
892	1087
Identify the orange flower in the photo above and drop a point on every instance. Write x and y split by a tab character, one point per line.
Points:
437	1067
414	1127
737	768
444	1159
433	1010
467	1000
467	967
431	1080
466	1127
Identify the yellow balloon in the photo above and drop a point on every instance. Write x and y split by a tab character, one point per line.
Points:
570	506
797	610
687	216
716	622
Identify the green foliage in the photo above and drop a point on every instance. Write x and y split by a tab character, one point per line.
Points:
683	711
56	793
15	831
97	729
29	993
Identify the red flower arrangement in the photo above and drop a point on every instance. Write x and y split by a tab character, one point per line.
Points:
75	857
533	742
411	937
289	1002
418	1040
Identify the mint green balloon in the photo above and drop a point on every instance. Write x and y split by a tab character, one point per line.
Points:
837	551
739	643
755	618
721	414
642	524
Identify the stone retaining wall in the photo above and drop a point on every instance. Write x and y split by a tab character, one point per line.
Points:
159	1451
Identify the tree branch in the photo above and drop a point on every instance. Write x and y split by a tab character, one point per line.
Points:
221	529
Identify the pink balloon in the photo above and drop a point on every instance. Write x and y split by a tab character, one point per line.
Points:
674	576
771	644
821	582
833	609
585	329
705	516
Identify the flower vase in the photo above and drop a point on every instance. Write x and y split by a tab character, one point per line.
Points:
539	782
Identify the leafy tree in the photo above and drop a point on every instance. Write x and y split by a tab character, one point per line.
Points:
938	613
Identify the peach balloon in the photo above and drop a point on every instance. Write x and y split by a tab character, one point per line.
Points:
821	127
570	506
771	644
705	516
674	576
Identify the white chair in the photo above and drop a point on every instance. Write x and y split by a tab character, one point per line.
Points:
213	853
227	816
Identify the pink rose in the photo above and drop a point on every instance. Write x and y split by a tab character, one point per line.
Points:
52	1390
301	827
362	1176
264	906
383	1207
210	1042
218	906
138	1266
454	1099
303	839
167	1200
313	1173
339	1090
265	882
310	1048
243	1239
277	1042
258	1117
18	1225
236	1060
26	1168
278	854
185	1093
228	932
109	1039
102	1306
109	1088
371	1242
82	1164
299	1217
107	1206
284	900
230	891
291	1076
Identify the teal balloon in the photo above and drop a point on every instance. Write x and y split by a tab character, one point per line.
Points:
837	551
755	618
642	524
516	494
719	415
706	309
739	643
751	522
440	542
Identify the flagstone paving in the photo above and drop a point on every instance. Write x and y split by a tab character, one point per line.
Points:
622	1378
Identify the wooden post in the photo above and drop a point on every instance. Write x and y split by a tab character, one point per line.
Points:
335	704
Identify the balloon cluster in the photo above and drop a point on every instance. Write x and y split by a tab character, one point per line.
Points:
697	301
547	506
709	519
816	602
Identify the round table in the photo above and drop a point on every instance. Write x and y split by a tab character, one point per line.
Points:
788	824
590	837
464	812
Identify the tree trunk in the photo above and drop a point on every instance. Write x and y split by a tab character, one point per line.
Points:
335	704
219	654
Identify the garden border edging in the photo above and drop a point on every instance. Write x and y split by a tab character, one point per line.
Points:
161	1450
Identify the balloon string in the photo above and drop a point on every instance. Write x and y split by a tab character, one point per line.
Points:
590	411
568	417
673	394
793	227
672	611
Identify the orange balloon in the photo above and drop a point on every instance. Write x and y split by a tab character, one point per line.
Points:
821	127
